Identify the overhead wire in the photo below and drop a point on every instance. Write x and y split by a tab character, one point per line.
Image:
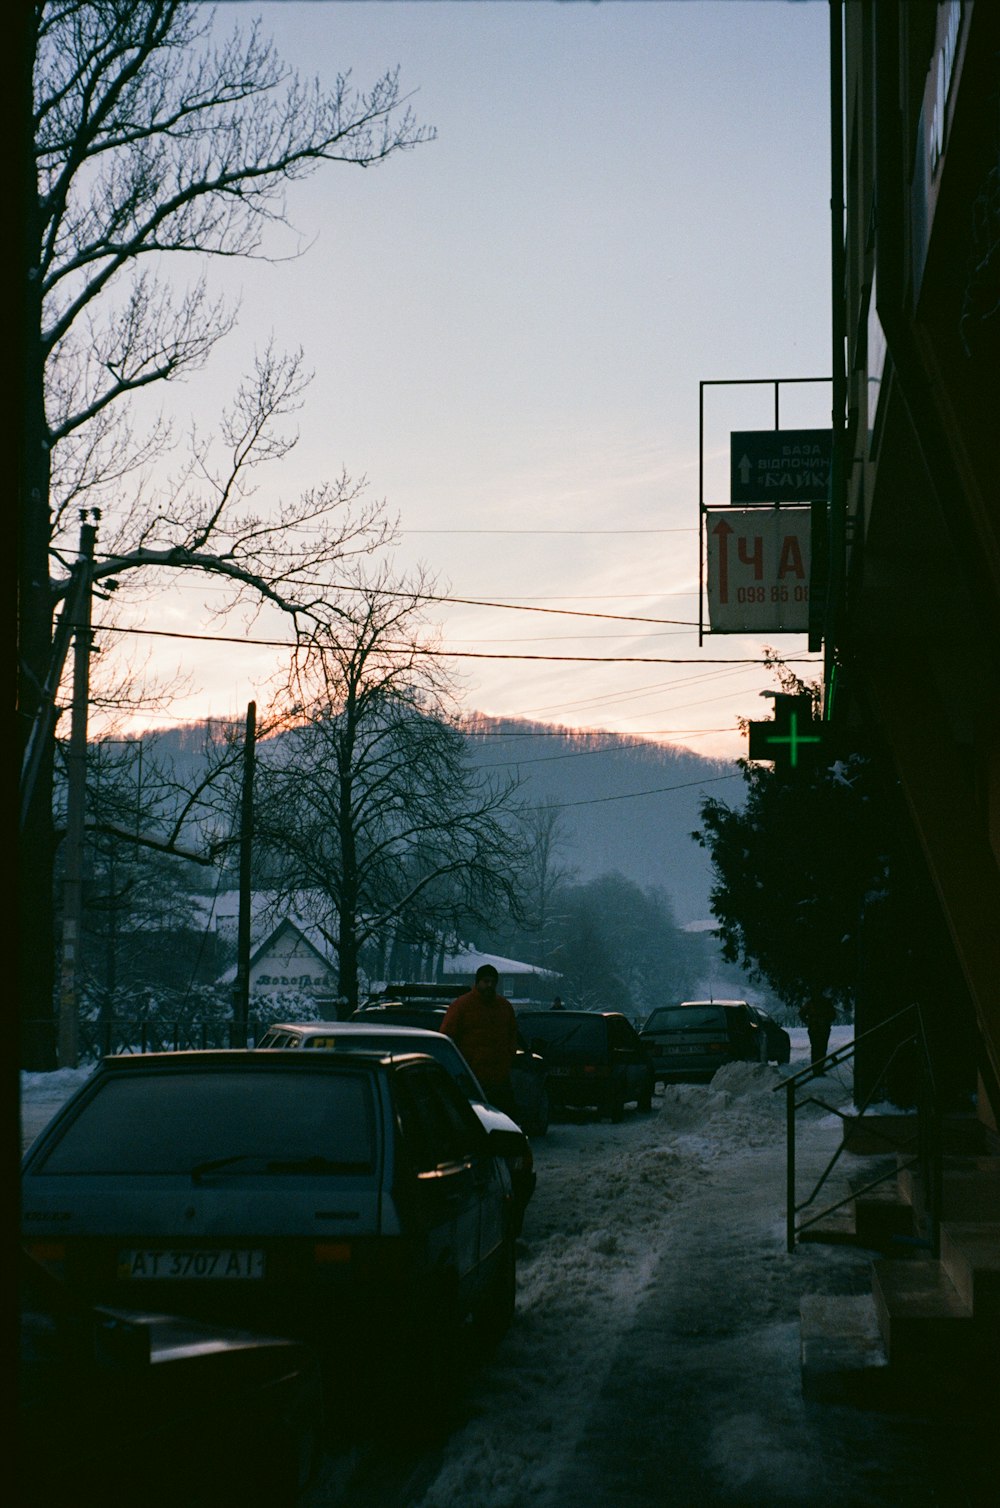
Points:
459	654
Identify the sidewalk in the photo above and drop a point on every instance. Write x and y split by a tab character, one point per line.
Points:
703	1405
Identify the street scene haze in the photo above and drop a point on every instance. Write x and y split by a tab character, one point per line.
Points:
508	625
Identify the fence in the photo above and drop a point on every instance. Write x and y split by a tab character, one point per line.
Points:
115	1034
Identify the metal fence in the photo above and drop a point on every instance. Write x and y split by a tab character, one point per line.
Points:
114	1034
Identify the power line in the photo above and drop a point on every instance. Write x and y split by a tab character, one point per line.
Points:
464	654
631	795
515	604
687	529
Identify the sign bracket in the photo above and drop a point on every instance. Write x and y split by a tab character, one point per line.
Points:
774	382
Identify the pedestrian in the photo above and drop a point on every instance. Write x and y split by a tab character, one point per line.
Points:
818	1015
557	1004
483	1026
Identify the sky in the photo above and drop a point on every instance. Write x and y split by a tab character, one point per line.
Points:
655	1291
508	327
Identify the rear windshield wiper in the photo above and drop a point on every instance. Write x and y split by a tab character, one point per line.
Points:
201	1168
289	1165
317	1165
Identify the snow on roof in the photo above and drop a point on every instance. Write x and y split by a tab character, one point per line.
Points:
468	960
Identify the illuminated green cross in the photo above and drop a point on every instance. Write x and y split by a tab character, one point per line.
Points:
793	738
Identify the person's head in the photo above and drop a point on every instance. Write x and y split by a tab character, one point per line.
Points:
487	980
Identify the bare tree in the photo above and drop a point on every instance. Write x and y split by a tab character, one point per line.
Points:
547	874
150	139
368	798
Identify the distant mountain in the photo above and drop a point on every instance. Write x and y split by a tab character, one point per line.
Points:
628	805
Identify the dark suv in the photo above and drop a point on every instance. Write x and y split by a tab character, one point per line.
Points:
694	1039
593	1058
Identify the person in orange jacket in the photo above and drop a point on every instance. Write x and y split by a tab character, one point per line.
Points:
483	1026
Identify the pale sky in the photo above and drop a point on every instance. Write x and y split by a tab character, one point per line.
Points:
508	326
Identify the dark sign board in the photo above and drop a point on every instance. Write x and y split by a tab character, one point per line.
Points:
779	465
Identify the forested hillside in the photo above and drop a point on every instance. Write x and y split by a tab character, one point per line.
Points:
624	805
595	780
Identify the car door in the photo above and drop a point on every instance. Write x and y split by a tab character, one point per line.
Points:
444	1141
627	1057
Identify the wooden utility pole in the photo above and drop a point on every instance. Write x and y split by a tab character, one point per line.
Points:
241	991
76	808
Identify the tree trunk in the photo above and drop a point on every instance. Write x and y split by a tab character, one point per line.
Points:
34	598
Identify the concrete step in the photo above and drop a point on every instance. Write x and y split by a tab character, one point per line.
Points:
879	1135
843	1356
970	1255
925	1324
836	1229
881	1214
970	1189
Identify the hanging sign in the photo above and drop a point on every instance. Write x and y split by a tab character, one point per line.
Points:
779	465
758	570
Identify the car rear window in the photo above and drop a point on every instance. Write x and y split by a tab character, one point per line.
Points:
174	1123
568	1039
441	1049
676	1018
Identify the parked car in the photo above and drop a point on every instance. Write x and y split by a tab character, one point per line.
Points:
592	1057
777	1044
694	1039
356	1200
425	1005
363	1036
121	1407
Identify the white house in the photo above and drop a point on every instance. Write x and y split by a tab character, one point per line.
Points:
291	951
291	957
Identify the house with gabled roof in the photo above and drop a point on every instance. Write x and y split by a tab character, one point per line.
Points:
291	957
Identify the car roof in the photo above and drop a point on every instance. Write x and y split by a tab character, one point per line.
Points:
412	993
561	1015
202	1060
326	1028
713	1002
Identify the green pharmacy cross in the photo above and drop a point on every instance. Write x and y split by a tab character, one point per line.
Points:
793	740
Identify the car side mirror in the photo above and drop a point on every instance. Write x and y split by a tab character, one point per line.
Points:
505	1143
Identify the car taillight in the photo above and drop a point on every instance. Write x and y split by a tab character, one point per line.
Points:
49	1254
332	1253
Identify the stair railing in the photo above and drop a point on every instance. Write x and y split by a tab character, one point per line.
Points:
928	1151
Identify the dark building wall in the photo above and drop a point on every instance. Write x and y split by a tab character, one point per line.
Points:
915	625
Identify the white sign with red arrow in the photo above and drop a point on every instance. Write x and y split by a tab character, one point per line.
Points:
758	570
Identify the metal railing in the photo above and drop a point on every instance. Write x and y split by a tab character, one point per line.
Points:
927	1154
118	1034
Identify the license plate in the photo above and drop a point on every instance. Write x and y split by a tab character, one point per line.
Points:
670	1051
161	1263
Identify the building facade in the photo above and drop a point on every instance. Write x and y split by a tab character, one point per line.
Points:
911	626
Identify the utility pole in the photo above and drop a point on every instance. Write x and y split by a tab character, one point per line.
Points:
76	806
241	991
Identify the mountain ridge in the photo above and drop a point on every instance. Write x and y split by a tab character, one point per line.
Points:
627	804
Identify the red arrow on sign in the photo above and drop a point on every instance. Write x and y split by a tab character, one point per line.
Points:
723	530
